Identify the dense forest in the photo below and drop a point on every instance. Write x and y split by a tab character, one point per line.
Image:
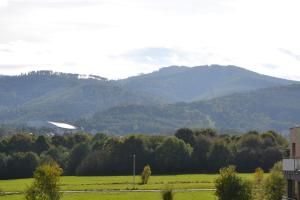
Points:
187	84
265	109
187	151
221	97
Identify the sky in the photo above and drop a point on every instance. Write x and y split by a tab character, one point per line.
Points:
120	38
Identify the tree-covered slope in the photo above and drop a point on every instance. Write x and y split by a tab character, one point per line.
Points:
187	84
145	103
41	96
275	108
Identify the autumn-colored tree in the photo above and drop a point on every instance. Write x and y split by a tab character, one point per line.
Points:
258	193
46	183
274	186
146	174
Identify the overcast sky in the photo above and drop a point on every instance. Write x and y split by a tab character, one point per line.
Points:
119	38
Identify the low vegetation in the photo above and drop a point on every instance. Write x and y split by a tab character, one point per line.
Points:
46	183
258	183
275	184
168	194
229	186
146	174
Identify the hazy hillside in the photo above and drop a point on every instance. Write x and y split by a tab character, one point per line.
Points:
186	84
275	108
144	103
41	96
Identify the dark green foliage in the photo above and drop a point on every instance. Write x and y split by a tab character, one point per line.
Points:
21	142
80	154
231	187
3	166
130	146
262	110
168	194
186	135
96	163
98	141
58	154
41	144
18	165
258	150
59	140
219	156
173	155
201	148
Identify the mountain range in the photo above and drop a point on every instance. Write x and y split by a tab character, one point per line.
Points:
222	97
186	84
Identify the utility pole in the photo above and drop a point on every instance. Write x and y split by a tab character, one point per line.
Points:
133	171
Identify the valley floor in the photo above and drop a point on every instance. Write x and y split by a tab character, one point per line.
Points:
195	186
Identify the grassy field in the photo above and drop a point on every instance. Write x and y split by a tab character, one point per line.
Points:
202	181
72	183
127	196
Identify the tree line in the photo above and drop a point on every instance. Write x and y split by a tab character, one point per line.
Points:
187	151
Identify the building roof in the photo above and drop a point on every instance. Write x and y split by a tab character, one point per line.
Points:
63	125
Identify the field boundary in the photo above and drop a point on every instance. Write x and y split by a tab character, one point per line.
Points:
118	191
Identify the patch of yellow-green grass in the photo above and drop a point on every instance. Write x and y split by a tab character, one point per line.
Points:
127	196
191	181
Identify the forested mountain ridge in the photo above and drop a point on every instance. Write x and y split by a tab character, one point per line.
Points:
275	108
187	84
42	96
118	106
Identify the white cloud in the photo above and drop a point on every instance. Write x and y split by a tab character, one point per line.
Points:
117	38
3	3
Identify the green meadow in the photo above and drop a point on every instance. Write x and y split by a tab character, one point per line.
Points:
127	196
107	187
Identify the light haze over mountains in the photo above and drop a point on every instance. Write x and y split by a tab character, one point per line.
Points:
223	97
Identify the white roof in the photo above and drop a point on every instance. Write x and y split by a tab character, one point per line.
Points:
63	125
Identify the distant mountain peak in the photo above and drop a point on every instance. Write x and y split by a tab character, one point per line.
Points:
89	76
173	68
181	83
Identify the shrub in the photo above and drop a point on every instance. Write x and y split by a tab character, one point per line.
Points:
46	183
231	187
168	194
258	193
146	174
274	186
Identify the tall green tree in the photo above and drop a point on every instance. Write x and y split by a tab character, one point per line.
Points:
173	155
78	153
186	135
200	150
21	165
219	156
41	144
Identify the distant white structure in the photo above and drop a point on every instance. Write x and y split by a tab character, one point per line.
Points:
63	127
